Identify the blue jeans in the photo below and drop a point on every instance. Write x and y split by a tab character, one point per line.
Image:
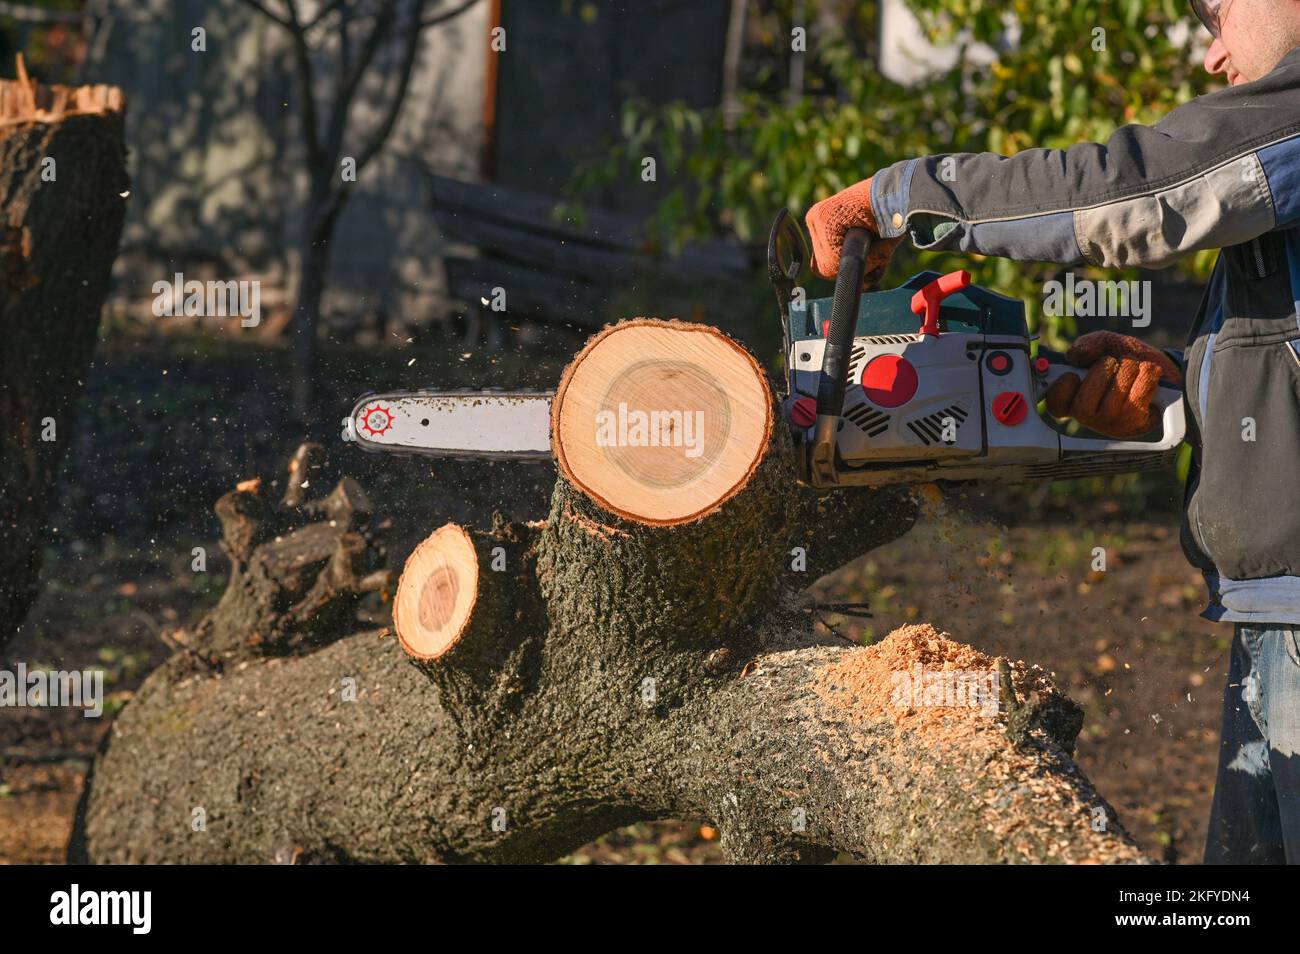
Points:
1255	818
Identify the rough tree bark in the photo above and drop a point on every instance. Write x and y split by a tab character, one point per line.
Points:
642	657
63	184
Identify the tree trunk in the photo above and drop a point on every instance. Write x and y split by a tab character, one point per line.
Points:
323	210
63	185
641	653
313	262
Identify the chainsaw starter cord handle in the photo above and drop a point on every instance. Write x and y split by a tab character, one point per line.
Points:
926	301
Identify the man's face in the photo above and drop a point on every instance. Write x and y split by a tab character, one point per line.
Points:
1253	37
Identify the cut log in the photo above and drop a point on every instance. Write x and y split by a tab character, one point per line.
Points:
437	593
63	187
469	614
661	422
654	662
468	598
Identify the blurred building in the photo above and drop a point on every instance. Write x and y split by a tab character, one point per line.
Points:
216	160
906	56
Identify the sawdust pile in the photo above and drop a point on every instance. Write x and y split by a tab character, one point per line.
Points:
917	674
955	748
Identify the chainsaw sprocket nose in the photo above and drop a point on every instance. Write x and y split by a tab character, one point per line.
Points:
376	420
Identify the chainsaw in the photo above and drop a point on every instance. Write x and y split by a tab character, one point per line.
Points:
872	398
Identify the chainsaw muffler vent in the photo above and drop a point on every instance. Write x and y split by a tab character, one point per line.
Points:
929	429
889	339
868	420
855	362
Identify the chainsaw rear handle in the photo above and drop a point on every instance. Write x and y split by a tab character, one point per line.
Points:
835	359
1168	400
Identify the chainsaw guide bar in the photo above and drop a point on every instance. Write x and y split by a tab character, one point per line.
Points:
477	425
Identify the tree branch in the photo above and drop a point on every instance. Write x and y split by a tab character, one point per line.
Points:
437	18
306	89
326	11
303	73
380	136
349	81
409	54
267	12
345	44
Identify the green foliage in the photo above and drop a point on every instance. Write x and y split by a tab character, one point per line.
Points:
54	52
1076	72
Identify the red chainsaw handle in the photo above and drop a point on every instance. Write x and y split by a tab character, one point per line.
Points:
928	298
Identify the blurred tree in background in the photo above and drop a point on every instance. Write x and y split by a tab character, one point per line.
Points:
797	132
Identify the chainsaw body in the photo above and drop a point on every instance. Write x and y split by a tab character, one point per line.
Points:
940	384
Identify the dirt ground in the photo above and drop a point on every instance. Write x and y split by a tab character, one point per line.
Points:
1010	572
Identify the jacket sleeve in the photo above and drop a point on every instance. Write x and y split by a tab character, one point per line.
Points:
1218	171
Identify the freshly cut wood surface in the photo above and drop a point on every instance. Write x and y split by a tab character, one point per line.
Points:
437	592
661	422
23	100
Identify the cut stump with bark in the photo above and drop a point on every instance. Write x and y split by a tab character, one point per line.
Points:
661	423
644	652
299	568
63	188
437	593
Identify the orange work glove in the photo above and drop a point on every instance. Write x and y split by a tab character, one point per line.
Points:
1114	397
829	219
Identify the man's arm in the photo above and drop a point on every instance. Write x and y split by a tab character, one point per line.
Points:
1218	171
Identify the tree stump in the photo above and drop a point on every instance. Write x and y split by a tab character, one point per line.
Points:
642	653
63	187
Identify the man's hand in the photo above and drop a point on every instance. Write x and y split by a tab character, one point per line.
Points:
829	219
1114	398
